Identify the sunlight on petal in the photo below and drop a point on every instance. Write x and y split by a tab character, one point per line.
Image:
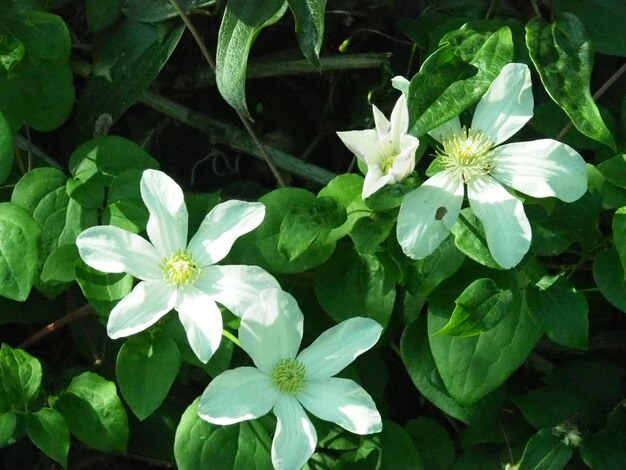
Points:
364	144
295	438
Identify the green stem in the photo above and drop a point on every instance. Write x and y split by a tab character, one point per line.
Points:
27	146
230	336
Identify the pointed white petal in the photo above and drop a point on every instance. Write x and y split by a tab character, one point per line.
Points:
295	438
235	287
400	83
343	402
202	321
383	126
338	346
167	224
453	126
143	307
427	214
507	105
374	180
271	329
399	121
506	226
542	168
113	250
221	227
364	144
404	163
237	395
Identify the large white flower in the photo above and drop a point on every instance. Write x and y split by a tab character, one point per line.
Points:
388	150
175	274
473	157
285	381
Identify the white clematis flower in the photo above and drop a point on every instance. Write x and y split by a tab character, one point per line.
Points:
474	158
285	381
175	274
388	151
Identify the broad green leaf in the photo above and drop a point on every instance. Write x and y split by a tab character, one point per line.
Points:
433	443
125	207
102	290
102	13
619	234
469	238
369	232
19	238
145	369
350	284
458	74
606	449
559	310
471	367
8	423
6	149
346	191
480	307
153	11
544	451
608	275
242	22
421	367
604	19
127	59
11	51
35	185
199	444
390	197
309	16
59	266
48	431
614	170
94	412
43	34
562	54
546	407
20	377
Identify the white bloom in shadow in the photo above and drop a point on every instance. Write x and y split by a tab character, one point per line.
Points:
175	274
284	381
474	158
388	150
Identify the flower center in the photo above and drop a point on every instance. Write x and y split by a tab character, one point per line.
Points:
180	268
288	376
467	155
387	162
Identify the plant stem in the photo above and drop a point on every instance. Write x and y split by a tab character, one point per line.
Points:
230	336
55	325
27	146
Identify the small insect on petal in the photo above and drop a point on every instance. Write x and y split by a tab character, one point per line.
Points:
441	212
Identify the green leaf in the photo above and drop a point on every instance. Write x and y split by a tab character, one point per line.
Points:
562	55
19	237
469	238
11	51
302	226
43	34
6	149
559	310
8	423
59	266
145	369
346	190
614	170
94	412
20	377
545	452
480	307
433	443
471	367
102	290
49	432
127	59
242	22
102	13
153	11
458	74
546	407
199	444
608	275
309	16
350	284
604	19
369	232
390	197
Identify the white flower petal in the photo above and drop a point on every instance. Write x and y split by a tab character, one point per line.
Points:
167	224
202	321
237	395
143	307
235	287
507	105
295	438
342	402
428	213
404	163
383	126
453	126
542	168
506	226
271	329
399	121
338	346
374	180
364	144
113	250
400	83
221	227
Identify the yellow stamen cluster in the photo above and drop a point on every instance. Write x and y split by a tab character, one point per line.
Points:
467	154
387	162
180	268
288	376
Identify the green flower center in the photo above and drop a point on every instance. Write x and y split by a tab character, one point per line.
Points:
467	155
180	268
387	162
288	376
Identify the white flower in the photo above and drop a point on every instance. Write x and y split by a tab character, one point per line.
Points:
388	151
285	381
473	157
175	274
